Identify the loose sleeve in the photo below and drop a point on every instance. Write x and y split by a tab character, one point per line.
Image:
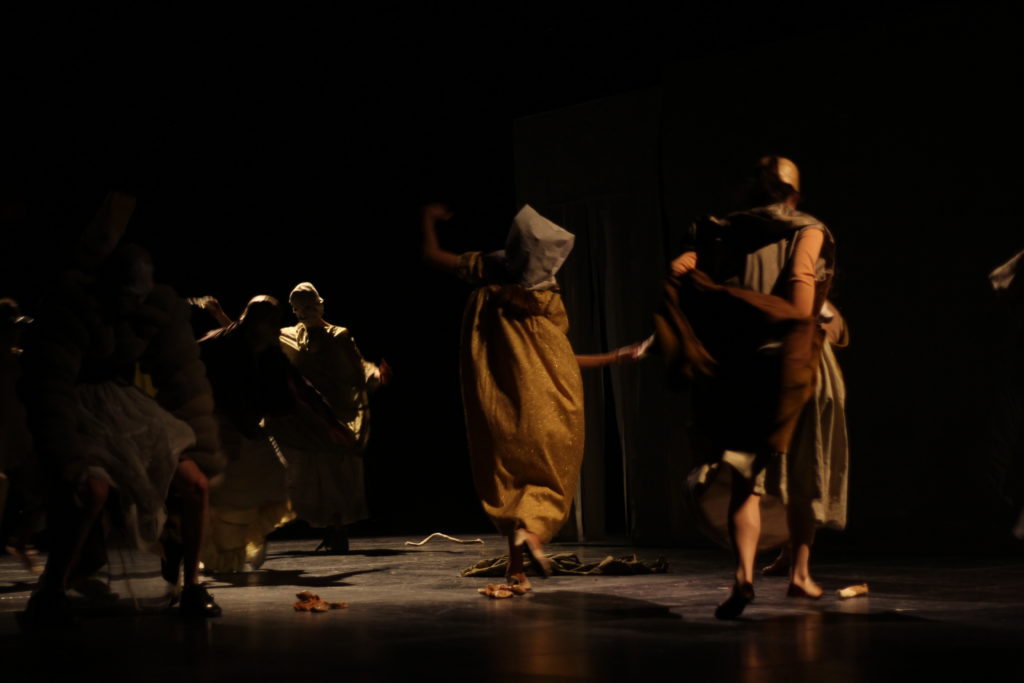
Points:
470	267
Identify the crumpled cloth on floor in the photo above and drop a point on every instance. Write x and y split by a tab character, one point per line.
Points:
569	563
311	602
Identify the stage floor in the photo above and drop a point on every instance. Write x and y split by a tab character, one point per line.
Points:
411	616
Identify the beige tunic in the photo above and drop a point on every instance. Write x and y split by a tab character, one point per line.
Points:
523	398
814	472
326	480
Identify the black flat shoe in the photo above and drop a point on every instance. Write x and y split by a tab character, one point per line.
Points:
335	541
47	611
741	596
196	601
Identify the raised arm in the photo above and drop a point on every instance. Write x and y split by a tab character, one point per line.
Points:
433	254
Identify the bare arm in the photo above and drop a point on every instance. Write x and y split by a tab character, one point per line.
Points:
804	272
433	254
211	306
684	263
625	354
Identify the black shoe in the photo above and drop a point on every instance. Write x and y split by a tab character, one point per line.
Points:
741	596
196	601
335	541
47	610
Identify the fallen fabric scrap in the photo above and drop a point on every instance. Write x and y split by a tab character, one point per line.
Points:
852	591
499	591
311	602
438	534
569	563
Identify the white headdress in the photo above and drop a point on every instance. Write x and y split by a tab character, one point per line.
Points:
535	249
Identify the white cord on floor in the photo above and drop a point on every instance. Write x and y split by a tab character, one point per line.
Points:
438	534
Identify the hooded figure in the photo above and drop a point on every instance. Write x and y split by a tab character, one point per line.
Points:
521	383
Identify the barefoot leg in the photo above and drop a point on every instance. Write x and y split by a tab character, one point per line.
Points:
801	532
744	527
744	532
515	557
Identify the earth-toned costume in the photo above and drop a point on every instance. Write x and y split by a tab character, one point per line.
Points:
521	383
770	394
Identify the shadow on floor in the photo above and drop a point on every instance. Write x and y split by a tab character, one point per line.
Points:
286	577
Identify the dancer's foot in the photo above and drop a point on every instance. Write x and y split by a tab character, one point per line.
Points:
741	596
196	601
531	545
519	579
778	567
804	588
24	554
335	541
47	609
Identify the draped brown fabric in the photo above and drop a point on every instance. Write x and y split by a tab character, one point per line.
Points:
759	352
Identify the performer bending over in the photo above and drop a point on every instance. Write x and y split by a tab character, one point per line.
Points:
101	439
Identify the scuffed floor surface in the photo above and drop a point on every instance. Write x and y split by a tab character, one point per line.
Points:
411	617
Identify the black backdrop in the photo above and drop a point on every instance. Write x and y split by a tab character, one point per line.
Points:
273	149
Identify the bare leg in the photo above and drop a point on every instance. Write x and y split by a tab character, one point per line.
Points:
515	571
529	543
744	532
801	533
71	527
194	489
191	484
67	550
744	527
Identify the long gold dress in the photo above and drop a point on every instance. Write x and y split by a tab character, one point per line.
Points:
523	397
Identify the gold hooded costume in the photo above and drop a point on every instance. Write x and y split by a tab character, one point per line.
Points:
521	384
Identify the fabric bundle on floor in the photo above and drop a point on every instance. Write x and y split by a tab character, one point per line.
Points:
569	563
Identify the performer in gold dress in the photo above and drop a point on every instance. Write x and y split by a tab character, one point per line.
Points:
521	384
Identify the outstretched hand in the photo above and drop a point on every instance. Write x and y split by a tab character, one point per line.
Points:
631	353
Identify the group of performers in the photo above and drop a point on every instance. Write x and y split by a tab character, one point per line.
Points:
200	449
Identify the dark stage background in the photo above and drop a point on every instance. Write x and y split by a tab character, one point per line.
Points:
270	150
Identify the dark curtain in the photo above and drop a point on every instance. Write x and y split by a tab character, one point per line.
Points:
594	170
910	155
